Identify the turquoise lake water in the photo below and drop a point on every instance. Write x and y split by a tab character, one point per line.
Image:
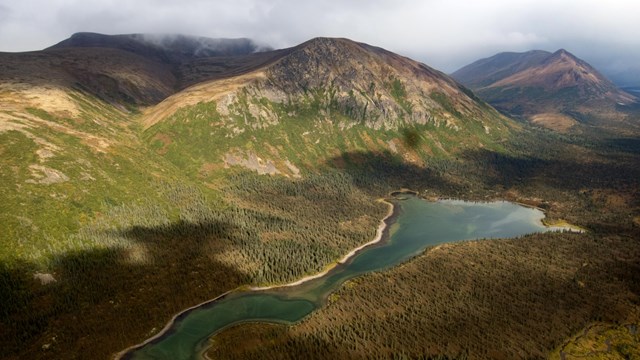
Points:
418	224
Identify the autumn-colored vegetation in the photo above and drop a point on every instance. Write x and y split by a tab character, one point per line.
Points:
115	217
169	258
271	231
498	299
502	299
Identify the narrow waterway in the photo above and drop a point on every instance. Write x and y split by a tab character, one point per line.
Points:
416	225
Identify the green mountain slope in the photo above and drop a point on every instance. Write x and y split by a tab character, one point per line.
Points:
126	198
69	143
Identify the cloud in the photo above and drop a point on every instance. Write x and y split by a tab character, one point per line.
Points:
445	34
4	12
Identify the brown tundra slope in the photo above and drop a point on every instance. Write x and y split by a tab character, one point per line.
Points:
556	90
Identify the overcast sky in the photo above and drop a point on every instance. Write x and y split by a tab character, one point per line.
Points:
445	34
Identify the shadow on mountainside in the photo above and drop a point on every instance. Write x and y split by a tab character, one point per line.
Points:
563	174
487	169
624	144
570	183
381	172
107	299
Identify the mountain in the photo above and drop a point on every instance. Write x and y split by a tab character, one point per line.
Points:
112	75
189	59
130	174
316	98
359	81
137	180
171	48
128	70
95	126
556	89
485	72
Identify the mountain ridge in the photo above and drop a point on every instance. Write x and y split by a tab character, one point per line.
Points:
497	66
170	48
359	78
315	98
539	83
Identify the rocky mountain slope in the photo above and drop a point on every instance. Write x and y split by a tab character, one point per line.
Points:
318	100
356	80
556	90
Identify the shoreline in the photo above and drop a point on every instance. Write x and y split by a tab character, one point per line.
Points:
119	355
565	228
379	236
561	226
380	231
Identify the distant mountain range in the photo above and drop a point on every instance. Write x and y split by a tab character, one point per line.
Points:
170	48
552	89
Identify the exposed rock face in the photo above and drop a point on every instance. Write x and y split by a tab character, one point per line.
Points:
251	162
46	176
338	79
364	83
44	278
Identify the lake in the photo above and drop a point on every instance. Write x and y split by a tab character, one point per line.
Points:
416	225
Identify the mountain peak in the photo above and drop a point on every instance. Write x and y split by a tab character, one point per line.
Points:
338	44
564	55
358	81
328	46
323	40
559	82
169	48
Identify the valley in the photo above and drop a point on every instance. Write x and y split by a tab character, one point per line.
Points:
136	184
414	225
